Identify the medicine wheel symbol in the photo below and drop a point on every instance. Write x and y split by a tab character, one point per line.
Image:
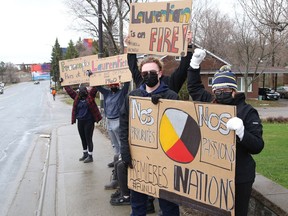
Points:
179	135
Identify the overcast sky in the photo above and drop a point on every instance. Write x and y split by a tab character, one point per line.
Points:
29	29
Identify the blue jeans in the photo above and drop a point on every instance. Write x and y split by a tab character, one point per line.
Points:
113	131
139	204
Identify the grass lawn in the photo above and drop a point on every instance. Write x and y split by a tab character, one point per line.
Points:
272	162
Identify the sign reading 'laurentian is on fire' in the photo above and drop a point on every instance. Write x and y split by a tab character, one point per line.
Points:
159	27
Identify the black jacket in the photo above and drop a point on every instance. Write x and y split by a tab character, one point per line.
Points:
162	90
174	82
252	142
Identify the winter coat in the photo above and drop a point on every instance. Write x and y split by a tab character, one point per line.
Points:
92	106
162	90
113	101
252	142
174	82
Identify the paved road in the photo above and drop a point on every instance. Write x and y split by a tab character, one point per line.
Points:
265	111
27	112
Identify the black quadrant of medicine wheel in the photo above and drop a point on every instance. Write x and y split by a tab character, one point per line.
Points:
191	135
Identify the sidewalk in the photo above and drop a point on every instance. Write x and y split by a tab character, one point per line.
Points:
76	188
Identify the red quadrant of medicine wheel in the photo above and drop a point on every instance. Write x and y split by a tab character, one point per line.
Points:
180	153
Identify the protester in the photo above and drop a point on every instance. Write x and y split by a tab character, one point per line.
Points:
175	83
86	111
121	196
247	124
113	100
177	78
151	71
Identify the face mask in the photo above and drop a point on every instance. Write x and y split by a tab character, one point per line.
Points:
225	98
151	80
83	93
114	89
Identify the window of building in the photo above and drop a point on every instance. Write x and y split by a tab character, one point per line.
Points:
210	81
241	84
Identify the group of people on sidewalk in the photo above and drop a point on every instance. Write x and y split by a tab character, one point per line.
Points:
150	82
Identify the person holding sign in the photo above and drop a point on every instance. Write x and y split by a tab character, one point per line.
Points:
247	125
177	78
113	100
86	111
151	72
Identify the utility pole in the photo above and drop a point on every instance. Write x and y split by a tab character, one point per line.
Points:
100	54
100	51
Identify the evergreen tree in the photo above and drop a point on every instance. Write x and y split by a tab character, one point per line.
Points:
2	70
56	56
71	51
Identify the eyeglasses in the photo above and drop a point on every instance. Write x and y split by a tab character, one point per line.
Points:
225	91
151	72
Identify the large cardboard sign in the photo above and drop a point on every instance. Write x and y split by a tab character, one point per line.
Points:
73	71
105	71
110	70
159	27
182	151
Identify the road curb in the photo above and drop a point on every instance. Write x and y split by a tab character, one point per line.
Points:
48	202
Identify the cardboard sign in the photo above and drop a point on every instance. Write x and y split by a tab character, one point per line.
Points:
159	27
73	71
182	151
110	70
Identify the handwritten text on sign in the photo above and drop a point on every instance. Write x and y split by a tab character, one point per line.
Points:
183	152
73	71
162	31
110	70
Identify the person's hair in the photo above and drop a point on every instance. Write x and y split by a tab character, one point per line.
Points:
151	59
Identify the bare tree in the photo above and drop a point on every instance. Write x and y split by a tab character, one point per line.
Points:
249	51
211	28
114	14
270	18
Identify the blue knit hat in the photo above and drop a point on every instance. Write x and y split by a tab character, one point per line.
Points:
224	78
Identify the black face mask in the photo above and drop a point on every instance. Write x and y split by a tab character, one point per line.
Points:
225	98
83	93
151	80
114	89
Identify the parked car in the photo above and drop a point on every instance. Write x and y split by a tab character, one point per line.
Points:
283	91
1	90
268	94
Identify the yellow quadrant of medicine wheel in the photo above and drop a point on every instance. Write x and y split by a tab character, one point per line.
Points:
168	135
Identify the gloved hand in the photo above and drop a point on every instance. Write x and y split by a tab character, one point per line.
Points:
155	98
197	58
236	124
89	73
61	80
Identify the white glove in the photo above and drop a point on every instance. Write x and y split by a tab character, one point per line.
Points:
236	124
197	58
